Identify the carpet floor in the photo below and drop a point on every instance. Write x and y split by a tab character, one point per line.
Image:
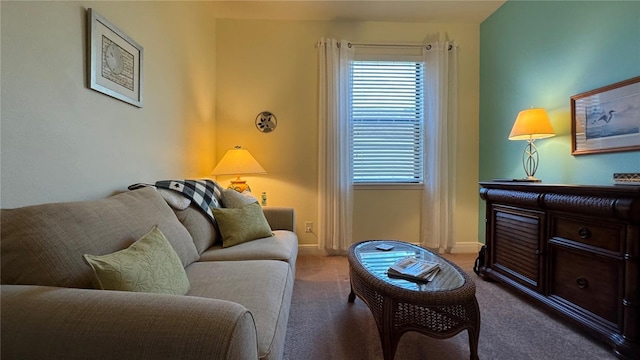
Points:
323	325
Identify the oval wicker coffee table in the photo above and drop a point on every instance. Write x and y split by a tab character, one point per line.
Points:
440	309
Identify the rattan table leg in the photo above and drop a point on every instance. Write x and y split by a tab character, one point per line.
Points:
352	295
389	346
387	337
474	333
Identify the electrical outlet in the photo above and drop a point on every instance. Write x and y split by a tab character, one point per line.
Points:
308	226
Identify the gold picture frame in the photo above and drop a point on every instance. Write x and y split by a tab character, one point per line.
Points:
606	119
115	61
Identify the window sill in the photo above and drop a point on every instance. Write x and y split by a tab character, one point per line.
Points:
390	186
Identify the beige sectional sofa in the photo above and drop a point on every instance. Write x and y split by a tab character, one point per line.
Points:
237	305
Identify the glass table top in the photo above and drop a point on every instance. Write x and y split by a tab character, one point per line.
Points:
378	261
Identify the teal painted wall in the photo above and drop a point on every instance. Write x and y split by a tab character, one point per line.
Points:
540	53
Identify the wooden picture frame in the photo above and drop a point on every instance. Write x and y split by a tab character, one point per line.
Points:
606	119
115	61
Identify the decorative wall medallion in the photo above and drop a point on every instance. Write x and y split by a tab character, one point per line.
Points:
266	122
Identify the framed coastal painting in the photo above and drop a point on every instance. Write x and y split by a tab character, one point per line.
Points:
115	61
606	119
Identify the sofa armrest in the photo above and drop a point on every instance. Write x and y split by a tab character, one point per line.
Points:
41	322
280	218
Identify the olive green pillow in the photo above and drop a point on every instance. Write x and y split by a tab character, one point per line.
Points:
239	225
148	265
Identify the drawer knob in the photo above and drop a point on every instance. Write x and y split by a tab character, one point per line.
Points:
584	233
582	282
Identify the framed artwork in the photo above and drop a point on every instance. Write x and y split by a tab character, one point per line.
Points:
606	119
115	61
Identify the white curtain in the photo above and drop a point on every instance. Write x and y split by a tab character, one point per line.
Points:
335	196
438	200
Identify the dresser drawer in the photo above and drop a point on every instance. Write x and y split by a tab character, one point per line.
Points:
594	283
609	236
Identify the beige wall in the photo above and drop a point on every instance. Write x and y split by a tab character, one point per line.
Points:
62	141
204	82
272	65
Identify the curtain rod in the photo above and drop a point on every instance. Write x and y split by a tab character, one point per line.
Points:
427	46
390	45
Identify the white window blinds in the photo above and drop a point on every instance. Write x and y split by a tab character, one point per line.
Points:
387	107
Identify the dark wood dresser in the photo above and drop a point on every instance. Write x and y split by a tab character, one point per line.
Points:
573	248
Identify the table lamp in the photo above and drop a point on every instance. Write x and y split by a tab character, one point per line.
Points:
238	161
531	124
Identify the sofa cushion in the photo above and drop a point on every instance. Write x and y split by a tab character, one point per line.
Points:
265	287
233	199
148	265
44	244
282	246
203	232
239	225
175	199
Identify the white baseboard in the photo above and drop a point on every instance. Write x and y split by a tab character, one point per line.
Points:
466	248
310	249
460	248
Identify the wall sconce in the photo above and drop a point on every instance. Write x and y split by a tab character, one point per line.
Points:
531	124
238	162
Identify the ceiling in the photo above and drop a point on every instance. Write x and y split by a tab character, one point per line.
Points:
450	11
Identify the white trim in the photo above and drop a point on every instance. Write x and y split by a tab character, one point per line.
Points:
310	249
466	248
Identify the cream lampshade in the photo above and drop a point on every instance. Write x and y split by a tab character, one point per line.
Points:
531	124
238	162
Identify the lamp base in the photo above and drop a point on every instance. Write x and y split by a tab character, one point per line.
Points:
531	179
239	185
530	161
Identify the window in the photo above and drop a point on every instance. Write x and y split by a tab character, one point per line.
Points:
387	107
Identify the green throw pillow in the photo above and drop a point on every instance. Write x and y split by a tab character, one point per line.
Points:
239	225
148	265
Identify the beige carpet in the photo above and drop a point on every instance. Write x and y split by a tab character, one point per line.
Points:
323	325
